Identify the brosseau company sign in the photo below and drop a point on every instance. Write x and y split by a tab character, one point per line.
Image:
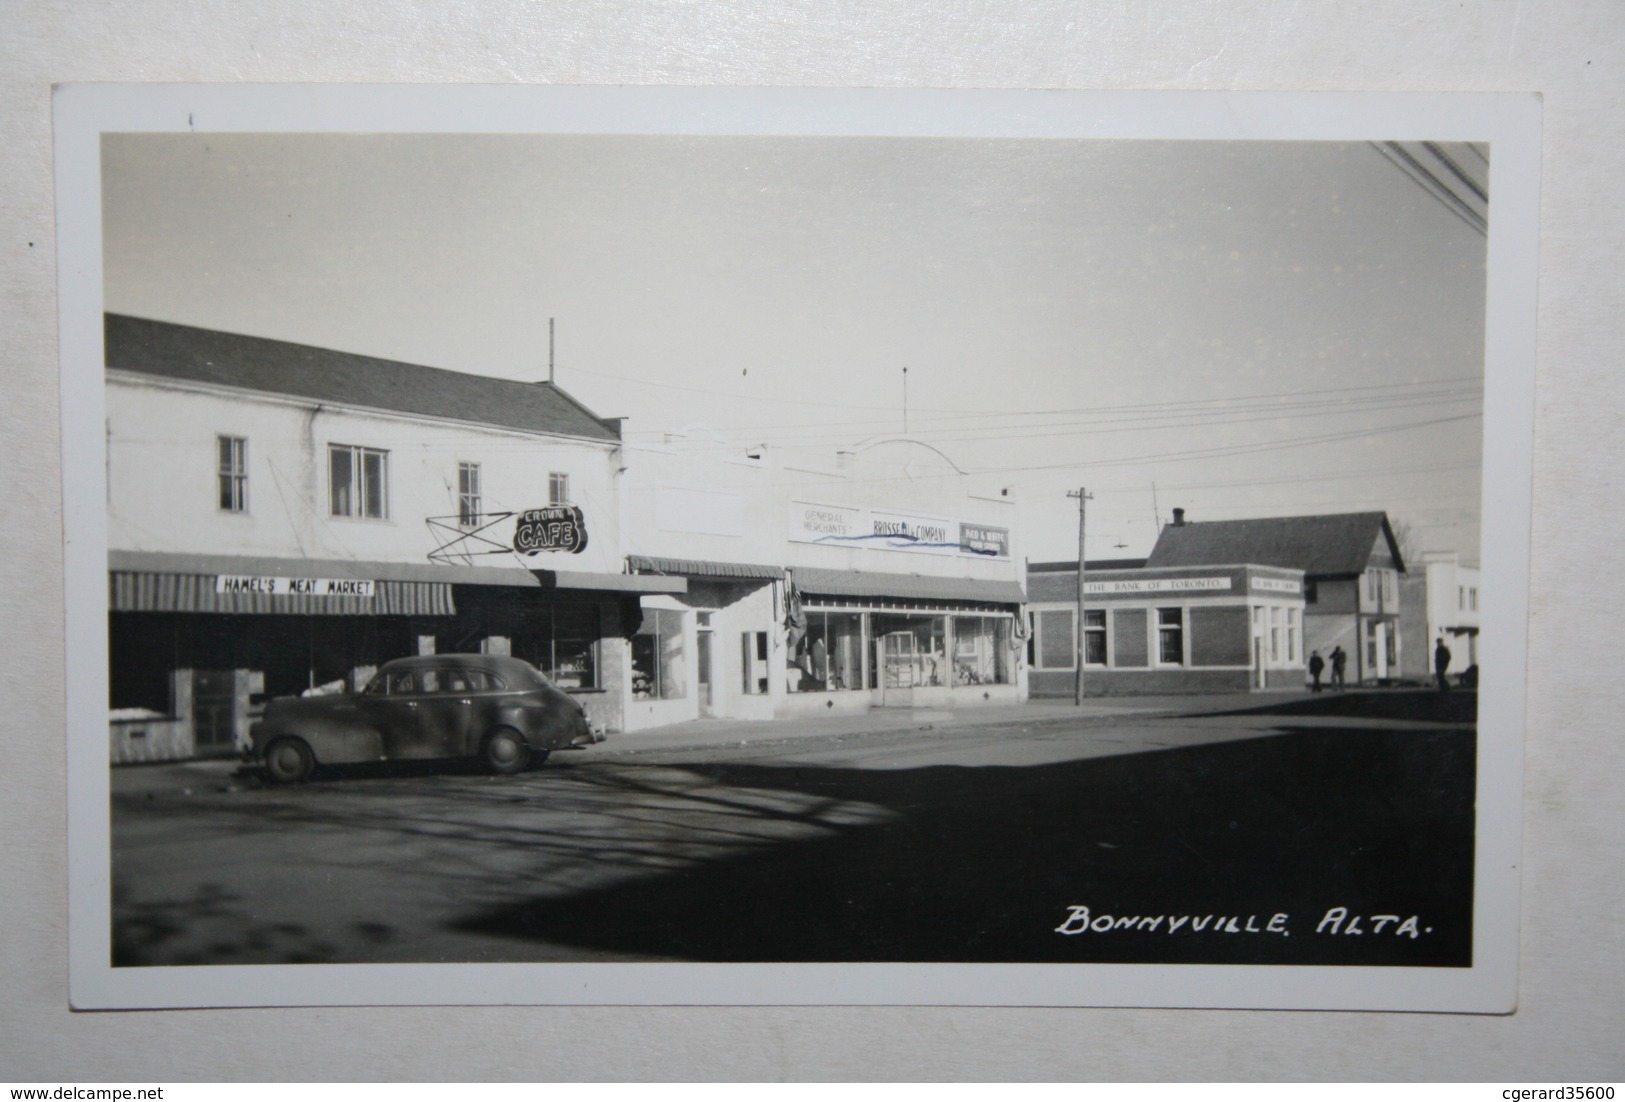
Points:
555	528
890	531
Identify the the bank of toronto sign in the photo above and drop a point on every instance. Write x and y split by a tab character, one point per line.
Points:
841	525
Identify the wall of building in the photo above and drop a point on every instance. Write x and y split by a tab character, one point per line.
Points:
1240	627
163	491
696	498
164	496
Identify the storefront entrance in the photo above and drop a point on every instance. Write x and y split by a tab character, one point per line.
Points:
702	661
901	666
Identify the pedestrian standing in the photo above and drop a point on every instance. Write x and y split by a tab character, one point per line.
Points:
1441	665
1316	664
1339	660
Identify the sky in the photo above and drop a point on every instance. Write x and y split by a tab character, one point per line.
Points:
1236	328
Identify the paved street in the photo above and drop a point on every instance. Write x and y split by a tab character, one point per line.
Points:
1227	828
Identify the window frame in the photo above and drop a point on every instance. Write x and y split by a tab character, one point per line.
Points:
558	487
469	494
1165	631
231	473
358	499
1096	630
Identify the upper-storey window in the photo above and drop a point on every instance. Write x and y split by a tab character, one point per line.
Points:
358	481
558	489
468	494
231	455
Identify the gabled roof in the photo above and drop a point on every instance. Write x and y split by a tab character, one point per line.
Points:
182	352
1328	545
1070	566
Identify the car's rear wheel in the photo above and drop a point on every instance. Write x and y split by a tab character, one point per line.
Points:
289	760
505	752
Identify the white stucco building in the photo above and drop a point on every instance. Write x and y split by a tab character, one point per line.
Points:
1441	602
874	577
283	518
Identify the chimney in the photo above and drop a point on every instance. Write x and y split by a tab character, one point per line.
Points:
1179	518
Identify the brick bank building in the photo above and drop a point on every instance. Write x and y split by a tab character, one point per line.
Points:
1223	606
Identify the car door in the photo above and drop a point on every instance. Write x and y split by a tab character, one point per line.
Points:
394	713
444	709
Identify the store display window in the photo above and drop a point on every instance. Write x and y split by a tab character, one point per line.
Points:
658	667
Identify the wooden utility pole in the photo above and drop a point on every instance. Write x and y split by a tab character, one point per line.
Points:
1083	497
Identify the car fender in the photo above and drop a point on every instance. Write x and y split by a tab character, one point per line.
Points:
332	743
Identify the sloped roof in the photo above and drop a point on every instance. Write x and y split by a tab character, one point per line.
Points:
1327	545
183	352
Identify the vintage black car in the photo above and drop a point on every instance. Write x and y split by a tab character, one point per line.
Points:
500	710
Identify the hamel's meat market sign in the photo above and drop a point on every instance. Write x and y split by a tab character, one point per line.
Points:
268	586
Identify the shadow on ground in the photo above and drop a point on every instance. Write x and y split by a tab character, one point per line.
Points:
1415	705
981	864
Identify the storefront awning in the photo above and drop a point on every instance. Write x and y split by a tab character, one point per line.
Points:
869	583
173	562
700	568
138	592
612	583
154	581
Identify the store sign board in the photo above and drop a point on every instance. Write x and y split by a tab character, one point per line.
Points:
892	531
811	523
911	532
1130	586
555	528
1277	585
269	586
984	539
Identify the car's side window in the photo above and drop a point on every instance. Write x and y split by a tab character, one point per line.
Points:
402	684
481	681
455	681
430	681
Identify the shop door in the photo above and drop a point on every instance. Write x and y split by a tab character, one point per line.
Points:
214	712
1379	648
898	670
702	661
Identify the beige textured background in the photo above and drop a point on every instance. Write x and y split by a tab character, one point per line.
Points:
1571	1021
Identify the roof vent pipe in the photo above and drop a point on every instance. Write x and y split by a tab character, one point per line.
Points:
1179	518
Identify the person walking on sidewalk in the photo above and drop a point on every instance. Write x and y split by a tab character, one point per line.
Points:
1316	664
1441	665
1339	660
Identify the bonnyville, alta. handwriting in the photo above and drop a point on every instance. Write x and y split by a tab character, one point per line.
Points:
1336	921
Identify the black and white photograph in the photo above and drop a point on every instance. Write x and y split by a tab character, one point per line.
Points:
749	547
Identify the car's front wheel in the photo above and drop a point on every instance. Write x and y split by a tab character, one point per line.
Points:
505	752
289	760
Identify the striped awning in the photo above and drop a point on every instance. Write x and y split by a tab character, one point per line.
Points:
150	592
701	568
870	583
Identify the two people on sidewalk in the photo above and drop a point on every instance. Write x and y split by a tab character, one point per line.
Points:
1339	661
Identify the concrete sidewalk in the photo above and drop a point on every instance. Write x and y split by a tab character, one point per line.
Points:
709	733
702	733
